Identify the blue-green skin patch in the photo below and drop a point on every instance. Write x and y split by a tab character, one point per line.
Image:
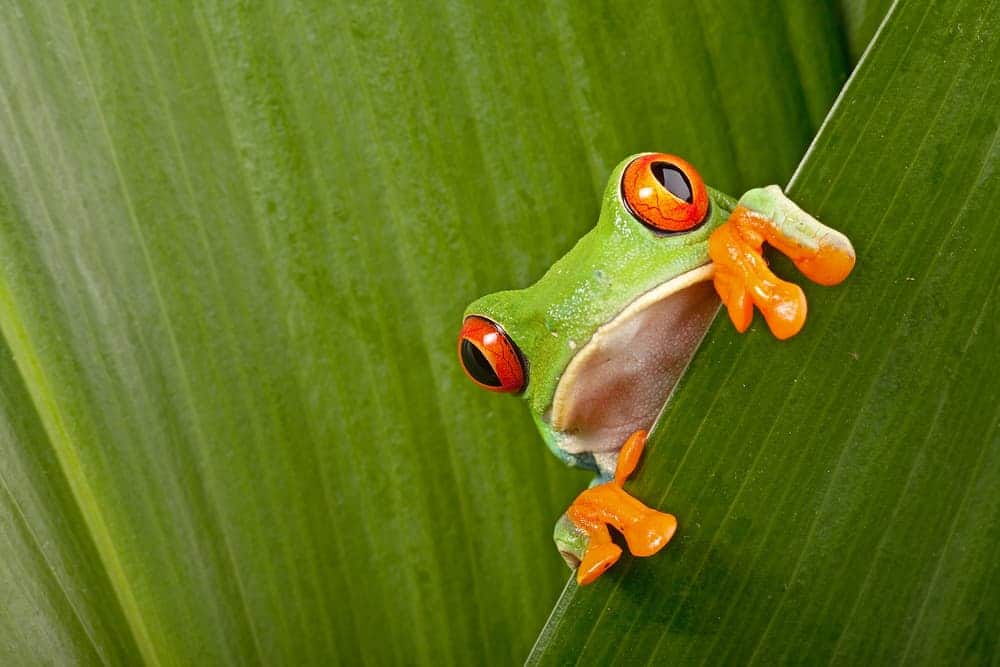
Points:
613	264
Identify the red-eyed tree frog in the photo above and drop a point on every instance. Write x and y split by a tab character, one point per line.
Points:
598	343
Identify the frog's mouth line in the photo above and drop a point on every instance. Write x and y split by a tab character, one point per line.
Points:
619	381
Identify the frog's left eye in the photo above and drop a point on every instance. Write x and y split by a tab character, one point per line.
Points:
664	192
490	358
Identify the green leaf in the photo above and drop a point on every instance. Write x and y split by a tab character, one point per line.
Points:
837	493
236	240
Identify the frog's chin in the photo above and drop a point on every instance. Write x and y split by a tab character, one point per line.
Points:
618	382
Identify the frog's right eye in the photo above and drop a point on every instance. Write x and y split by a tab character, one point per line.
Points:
664	192
490	358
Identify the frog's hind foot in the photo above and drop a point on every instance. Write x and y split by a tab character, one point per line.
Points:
646	530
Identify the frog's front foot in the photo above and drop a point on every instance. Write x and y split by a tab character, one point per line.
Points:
742	277
582	534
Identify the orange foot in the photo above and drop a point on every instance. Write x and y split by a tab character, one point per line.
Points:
646	530
742	277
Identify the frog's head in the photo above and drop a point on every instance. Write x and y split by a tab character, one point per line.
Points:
597	344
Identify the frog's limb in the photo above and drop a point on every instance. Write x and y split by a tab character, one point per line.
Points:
570	541
742	277
601	553
629	455
646	530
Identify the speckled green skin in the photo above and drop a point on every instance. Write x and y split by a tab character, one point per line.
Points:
609	267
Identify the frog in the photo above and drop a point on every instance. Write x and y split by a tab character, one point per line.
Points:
597	345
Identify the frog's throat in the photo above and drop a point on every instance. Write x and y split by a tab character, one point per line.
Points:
620	379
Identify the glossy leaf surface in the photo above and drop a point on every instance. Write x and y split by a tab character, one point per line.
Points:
837	494
236	240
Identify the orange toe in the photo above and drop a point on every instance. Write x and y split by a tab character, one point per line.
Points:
784	308
629	455
651	533
596	560
831	264
736	298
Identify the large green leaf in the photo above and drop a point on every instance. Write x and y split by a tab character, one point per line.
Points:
838	493
236	240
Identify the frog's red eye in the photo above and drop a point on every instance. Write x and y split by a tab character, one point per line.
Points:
489	356
664	192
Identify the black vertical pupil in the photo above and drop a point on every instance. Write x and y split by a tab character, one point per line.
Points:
478	366
673	179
